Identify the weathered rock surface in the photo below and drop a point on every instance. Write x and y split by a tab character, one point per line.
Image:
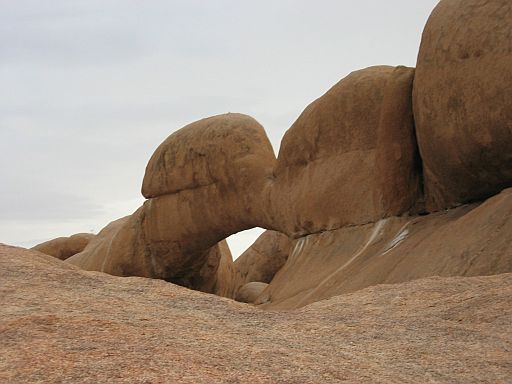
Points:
65	247
249	292
62	324
359	136
470	240
463	101
262	260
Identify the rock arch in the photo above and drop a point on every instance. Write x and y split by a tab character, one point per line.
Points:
219	176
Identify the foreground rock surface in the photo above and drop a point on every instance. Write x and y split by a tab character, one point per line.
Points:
62	324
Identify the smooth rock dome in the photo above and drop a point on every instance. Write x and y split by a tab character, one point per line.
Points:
463	101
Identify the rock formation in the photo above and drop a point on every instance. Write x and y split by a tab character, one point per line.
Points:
347	185
463	101
70	325
65	247
204	183
393	175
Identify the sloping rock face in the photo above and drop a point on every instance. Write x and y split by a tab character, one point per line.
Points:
470	240
62	324
359	136
262	260
65	247
463	101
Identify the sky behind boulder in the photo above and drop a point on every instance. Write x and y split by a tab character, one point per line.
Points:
90	88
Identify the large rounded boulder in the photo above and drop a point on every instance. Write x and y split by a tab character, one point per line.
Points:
351	156
463	101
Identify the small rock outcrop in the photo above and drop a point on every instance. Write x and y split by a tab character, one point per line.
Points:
249	292
65	247
463	101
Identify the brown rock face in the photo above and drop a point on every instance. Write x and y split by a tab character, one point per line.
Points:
463	101
72	326
350	158
204	183
65	247
262	260
471	240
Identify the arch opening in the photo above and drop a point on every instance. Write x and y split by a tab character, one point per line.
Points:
241	241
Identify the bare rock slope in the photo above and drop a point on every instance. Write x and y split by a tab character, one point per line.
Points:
62	324
470	240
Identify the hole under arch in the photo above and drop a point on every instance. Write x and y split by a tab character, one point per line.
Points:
242	240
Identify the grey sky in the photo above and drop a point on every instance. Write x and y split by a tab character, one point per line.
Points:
90	88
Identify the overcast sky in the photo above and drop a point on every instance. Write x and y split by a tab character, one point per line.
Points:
90	88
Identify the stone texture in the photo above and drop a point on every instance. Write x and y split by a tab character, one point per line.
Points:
359	136
65	247
62	324
463	101
471	240
249	292
262	260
